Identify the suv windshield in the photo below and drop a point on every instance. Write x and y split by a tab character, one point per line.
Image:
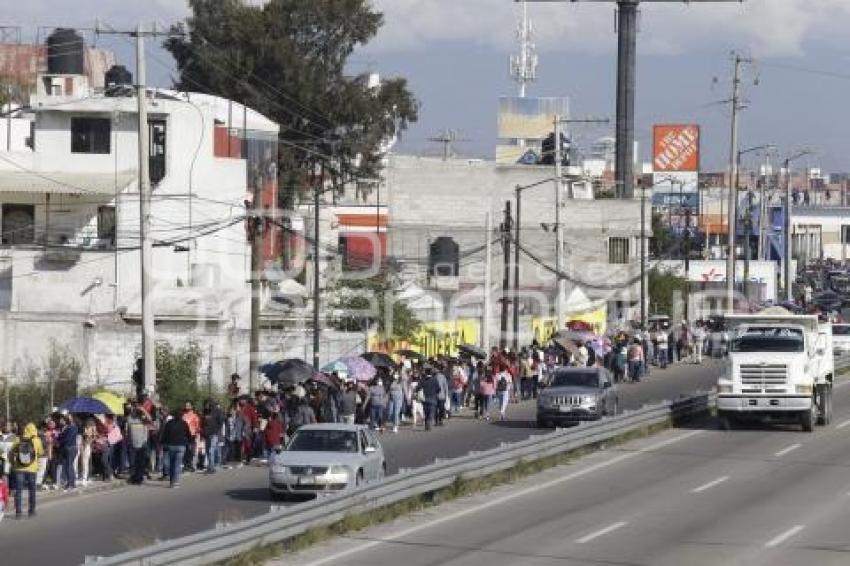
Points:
323	441
576	379
769	340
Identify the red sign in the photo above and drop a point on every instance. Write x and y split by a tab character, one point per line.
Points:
676	148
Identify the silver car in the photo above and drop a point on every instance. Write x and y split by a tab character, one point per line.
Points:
577	394
326	458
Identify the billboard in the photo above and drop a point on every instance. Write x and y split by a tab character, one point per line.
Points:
523	124
675	148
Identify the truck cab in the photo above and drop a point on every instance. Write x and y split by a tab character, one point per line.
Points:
780	368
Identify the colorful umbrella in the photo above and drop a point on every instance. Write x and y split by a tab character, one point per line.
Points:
379	359
411	355
86	405
336	366
472	351
112	400
359	369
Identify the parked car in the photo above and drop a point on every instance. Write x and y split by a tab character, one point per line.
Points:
577	394
841	339
326	458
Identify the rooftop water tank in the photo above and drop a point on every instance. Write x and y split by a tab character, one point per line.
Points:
65	52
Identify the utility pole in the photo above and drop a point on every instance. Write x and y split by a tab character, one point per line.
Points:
316	301
687	261
257	232
488	273
506	273
789	291
516	267
146	244
642	257
559	232
733	190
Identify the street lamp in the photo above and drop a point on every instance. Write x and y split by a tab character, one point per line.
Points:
789	287
748	216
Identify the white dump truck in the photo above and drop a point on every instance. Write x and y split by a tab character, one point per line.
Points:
780	369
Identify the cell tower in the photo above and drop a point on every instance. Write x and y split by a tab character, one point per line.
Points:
524	64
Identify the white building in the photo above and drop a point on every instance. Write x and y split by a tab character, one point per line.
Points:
69	220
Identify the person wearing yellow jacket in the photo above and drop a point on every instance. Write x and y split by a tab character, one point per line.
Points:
25	454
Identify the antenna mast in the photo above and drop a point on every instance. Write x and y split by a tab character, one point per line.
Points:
524	64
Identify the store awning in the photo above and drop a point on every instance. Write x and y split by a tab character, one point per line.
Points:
63	183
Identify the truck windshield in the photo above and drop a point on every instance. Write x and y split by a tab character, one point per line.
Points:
769	340
841	329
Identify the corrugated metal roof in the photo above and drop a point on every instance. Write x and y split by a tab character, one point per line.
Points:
65	183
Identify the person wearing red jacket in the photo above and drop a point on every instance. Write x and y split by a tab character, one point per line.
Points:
273	433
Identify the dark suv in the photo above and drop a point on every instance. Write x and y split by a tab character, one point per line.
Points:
577	394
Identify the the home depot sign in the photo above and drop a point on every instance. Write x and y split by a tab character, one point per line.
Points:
676	148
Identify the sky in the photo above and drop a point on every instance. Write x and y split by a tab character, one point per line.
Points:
455	55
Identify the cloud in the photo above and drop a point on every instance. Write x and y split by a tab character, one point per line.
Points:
764	27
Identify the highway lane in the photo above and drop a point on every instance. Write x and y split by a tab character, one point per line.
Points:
110	522
699	496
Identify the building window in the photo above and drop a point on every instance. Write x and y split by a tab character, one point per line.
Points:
845	234
106	224
18	224
618	250
90	135
157	138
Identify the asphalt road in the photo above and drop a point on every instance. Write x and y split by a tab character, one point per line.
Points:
70	528
770	496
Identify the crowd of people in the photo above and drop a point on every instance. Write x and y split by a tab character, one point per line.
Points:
152	442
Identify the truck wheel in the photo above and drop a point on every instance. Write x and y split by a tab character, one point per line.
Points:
825	405
808	418
726	422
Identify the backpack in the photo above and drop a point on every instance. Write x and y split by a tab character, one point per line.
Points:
502	385
25	452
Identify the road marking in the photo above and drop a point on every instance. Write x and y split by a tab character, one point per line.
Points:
845	424
507	497
785	451
601	532
779	539
709	485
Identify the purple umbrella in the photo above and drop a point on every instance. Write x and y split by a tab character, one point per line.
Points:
358	368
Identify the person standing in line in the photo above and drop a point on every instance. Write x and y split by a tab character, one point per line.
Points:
348	403
504	388
442	396
88	436
699	343
458	385
377	404
68	446
212	424
26	452
194	423
636	361
430	388
661	338
137	432
487	388
176	437
395	402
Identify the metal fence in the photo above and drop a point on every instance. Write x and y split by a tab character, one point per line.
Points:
285	523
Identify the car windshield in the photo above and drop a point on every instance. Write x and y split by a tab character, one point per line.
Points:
769	340
323	441
576	379
841	330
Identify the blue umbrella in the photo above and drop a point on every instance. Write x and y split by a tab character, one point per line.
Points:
86	405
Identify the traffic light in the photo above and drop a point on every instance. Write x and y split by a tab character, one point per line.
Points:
548	150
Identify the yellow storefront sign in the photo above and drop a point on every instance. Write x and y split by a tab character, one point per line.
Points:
543	328
433	338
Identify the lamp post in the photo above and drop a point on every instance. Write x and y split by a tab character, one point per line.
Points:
789	287
748	213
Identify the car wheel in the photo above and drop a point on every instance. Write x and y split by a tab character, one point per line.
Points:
542	423
275	496
615	407
358	481
382	472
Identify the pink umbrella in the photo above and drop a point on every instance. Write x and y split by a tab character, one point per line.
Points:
358	368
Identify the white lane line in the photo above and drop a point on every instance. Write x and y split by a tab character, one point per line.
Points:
505	498
779	539
602	532
709	485
845	424
788	449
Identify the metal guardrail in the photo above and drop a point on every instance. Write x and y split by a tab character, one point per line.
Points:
282	524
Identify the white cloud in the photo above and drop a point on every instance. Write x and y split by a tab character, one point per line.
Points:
765	27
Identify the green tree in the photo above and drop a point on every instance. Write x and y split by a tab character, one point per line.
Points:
373	301
663	287
177	374
288	59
